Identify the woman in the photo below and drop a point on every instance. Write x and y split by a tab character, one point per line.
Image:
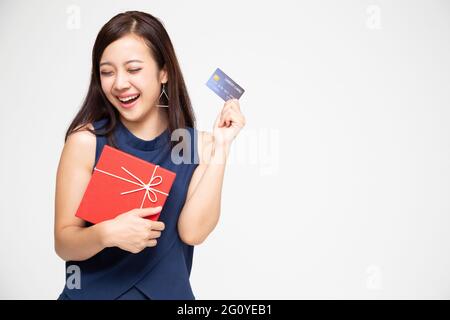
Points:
137	100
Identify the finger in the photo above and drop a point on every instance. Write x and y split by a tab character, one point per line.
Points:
237	105
237	117
233	103
148	223
225	108
218	120
148	211
154	234
232	100
158	225
152	243
232	116
226	116
221	120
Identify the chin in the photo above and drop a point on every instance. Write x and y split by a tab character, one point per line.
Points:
130	117
135	116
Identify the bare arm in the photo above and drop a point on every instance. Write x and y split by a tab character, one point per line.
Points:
73	241
201	211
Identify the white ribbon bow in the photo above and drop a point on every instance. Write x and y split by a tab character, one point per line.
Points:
149	190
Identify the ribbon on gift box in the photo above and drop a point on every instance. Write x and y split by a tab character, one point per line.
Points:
149	190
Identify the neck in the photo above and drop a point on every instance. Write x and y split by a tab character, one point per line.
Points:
150	126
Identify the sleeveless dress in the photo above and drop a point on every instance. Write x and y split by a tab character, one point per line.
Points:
160	272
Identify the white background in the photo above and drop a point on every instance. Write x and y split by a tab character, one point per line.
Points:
338	187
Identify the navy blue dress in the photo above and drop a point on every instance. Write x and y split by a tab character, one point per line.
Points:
160	272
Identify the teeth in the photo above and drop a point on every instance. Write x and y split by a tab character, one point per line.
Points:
128	98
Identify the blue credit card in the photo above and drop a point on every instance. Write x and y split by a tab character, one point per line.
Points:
224	86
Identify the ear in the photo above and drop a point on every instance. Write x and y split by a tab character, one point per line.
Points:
163	78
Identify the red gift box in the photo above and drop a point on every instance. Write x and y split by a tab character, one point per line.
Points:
122	182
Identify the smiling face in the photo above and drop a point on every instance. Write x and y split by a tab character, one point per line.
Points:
130	77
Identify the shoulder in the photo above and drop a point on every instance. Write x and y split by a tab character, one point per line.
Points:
80	146
205	145
82	136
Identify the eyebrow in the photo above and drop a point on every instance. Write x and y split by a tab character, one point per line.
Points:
127	62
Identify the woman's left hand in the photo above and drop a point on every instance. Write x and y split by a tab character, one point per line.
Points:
228	124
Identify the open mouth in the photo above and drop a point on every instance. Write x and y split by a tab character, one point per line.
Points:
129	100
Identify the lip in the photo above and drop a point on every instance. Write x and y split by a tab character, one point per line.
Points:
123	96
128	105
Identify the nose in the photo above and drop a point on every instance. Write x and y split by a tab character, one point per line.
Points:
121	82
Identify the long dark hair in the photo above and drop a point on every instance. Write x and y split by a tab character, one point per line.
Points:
96	106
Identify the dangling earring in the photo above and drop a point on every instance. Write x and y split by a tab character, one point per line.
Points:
167	97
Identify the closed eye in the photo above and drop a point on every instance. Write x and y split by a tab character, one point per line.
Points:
134	70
